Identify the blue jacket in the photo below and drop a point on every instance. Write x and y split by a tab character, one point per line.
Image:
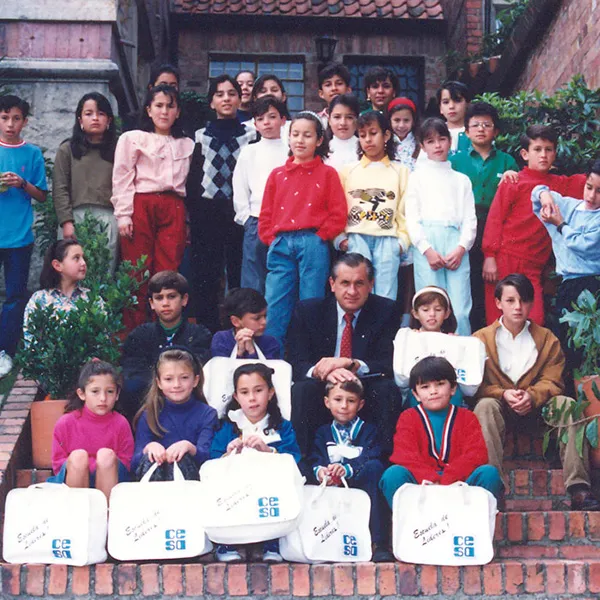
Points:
287	444
363	435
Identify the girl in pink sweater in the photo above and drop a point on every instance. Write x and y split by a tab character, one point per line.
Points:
92	444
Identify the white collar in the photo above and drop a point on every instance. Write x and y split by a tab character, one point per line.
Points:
524	331
247	428
341	312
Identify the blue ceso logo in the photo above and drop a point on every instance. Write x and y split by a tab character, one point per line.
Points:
268	506
350	545
175	539
61	548
464	546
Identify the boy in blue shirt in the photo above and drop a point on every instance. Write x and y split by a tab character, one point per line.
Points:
349	448
22	177
246	309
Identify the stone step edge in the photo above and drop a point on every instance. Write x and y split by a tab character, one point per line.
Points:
496	580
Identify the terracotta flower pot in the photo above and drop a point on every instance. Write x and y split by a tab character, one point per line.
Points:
592	410
43	418
474	68
493	63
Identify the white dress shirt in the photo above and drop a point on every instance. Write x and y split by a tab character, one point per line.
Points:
516	354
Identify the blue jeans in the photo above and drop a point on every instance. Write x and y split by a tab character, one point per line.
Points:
444	237
298	264
486	476
384	253
254	259
15	262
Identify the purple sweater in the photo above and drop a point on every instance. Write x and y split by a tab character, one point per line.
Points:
223	343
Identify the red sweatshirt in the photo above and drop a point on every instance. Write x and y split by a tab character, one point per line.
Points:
463	447
511	226
303	196
85	430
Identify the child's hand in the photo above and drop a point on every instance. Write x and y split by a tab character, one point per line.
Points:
11	179
435	259
68	230
555	216
256	442
336	470
235	445
454	258
490	270
321	474
176	451
524	405
126	230
245	341
510	176
344	245
155	452
547	203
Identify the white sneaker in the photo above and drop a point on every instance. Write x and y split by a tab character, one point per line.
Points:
6	364
272	557
227	554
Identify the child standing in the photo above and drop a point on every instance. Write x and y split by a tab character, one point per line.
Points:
349	448
83	170
217	239
22	177
334	80
245	79
168	295
303	209
484	165
402	113
254	165
258	424
381	87
514	239
247	310
151	167
453	99
92	444
431	313
375	189
436	441
441	221
343	144
175	424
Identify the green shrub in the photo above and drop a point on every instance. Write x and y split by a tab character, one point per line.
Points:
573	111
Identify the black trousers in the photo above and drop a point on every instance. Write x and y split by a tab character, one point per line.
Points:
383	403
216	248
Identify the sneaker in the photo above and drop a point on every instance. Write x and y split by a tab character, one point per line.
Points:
227	554
270	556
6	364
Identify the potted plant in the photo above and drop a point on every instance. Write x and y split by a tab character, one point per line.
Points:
61	342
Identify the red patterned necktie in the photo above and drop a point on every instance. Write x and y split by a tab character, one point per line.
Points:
346	343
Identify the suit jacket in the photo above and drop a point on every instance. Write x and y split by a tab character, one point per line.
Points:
313	334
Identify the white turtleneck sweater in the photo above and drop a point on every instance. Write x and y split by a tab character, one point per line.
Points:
254	165
343	152
438	194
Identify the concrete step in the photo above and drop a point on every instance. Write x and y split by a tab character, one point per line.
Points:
503	578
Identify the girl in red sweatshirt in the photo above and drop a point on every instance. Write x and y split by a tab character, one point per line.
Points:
304	207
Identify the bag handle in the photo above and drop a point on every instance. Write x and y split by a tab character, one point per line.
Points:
259	352
177	474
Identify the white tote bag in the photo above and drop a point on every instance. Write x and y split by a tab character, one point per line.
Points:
218	381
51	523
250	496
443	524
465	353
153	520
333	527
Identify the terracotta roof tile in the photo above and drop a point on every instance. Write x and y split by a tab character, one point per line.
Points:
405	9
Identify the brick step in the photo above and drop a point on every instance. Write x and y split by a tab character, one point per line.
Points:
536	490
26	477
552	534
535	579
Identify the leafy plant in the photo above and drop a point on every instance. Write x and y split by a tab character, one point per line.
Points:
195	110
573	111
45	226
60	342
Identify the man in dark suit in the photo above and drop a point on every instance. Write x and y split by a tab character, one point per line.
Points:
341	337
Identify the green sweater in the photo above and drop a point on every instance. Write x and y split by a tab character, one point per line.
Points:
80	182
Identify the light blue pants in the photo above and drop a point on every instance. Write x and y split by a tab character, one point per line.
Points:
254	258
486	476
444	238
298	267
384	253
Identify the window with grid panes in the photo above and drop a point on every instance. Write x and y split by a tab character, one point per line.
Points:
290	73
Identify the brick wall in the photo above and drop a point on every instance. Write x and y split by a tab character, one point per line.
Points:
194	46
571	46
465	24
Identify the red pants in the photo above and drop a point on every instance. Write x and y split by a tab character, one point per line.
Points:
158	233
511	264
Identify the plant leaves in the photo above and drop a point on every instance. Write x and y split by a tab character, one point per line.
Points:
591	432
